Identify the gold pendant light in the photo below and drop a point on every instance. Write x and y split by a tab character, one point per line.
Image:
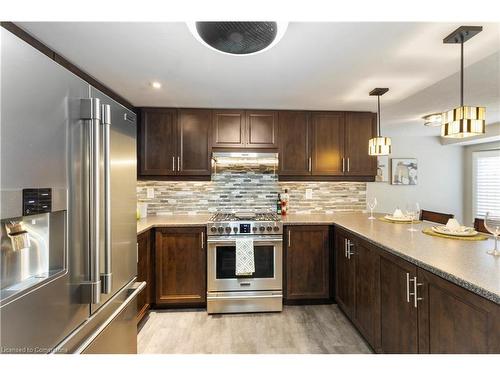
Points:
379	146
463	121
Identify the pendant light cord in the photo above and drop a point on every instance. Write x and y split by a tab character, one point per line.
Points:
462	71
379	132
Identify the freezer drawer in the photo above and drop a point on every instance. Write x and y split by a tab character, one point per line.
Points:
113	329
120	335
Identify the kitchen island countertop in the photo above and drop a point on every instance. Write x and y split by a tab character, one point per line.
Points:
464	263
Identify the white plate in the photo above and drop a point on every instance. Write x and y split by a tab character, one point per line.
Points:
392	218
464	232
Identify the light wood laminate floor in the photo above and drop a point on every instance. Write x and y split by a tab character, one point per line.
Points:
298	329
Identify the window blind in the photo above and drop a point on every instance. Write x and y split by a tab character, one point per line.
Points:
486	184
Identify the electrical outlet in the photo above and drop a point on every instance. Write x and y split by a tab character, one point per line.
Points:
309	193
150	192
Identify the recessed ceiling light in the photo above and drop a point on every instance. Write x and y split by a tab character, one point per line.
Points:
238	38
156	85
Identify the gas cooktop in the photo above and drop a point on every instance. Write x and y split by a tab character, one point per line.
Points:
247	216
244	223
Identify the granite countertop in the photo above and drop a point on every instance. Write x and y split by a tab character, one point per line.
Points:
171	221
464	263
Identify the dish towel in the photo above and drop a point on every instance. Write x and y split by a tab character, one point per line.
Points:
245	262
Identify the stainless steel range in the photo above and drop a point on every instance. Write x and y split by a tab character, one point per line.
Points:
260	291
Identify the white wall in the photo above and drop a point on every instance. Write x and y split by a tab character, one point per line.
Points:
467	182
440	176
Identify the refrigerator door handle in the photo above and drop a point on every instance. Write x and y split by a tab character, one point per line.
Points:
91	114
106	276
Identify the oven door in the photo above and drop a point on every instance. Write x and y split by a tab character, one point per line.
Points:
221	260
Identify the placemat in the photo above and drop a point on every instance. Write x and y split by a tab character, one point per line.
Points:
397	222
477	237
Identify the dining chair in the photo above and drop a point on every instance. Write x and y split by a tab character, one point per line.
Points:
479	225
436	217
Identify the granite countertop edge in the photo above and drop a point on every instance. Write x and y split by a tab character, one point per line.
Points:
170	222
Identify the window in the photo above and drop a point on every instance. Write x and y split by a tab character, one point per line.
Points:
486	182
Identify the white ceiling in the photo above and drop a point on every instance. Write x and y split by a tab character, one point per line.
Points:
315	66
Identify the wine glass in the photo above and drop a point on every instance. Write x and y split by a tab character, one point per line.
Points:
413	212
492	225
372	203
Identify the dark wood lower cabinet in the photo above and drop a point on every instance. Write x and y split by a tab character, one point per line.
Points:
357	284
399	319
367	293
454	320
307	263
401	308
344	275
180	265
144	273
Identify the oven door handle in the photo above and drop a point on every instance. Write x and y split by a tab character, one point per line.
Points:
260	240
245	297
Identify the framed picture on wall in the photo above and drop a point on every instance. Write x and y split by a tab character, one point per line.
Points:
382	169
404	171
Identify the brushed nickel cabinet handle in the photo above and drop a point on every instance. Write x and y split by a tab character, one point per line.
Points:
348	167
416	298
289	238
349	252
173	163
343	165
178	163
407	287
345	247
202	240
310	164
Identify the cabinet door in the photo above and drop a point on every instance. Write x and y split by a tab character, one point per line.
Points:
194	137
359	128
307	260
294	142
261	129
345	275
367	294
327	130
180	266
158	142
144	272
398	315
454	320
228	128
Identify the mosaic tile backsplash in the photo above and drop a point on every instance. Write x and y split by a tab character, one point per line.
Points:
233	189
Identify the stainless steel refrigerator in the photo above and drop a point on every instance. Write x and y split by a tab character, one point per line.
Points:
68	256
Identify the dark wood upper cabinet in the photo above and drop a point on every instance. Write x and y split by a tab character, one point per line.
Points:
144	273
158	146
327	143
454	320
294	144
399	318
307	263
175	142
194	142
359	128
245	129
180	264
317	145
229	128
261	129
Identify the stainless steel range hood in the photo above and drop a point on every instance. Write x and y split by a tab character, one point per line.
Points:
246	158
251	161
